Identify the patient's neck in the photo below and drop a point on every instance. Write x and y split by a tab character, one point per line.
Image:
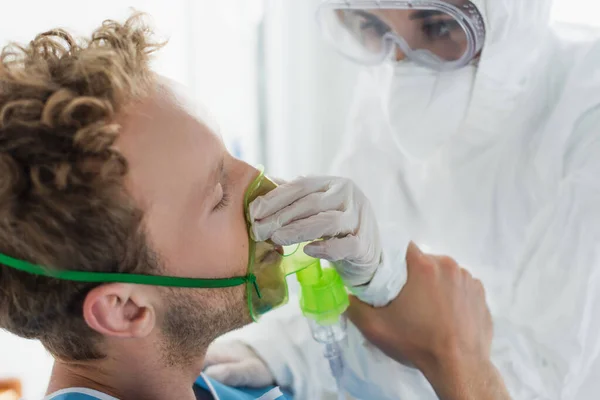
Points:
131	374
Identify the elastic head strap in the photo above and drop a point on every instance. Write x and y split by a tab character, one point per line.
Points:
108	277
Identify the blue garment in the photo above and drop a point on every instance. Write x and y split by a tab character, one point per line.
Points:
73	396
224	392
230	393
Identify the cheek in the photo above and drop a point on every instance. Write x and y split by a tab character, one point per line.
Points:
226	244
214	247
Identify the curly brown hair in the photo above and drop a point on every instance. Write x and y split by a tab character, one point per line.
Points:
62	197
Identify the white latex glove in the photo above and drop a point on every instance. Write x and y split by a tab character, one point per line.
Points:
235	364
329	208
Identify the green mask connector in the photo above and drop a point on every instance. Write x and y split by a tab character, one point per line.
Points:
323	297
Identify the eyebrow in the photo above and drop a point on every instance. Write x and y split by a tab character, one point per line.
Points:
368	15
424	14
363	13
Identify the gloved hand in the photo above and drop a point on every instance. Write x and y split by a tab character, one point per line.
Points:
328	208
235	364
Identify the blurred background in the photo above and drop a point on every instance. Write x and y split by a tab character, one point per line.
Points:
278	94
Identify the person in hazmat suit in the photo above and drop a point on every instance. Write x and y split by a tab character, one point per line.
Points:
475	132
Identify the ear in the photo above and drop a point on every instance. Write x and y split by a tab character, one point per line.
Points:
120	310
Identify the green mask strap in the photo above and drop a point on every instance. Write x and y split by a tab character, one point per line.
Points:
107	277
153	280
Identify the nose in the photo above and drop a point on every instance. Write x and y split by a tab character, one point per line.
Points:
400	56
248	172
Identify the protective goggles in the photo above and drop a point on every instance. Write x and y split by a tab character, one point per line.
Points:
268	267
438	34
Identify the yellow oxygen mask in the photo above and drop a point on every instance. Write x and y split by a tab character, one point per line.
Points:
323	297
269	263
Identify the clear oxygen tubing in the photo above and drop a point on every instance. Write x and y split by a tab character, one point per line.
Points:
332	337
323	300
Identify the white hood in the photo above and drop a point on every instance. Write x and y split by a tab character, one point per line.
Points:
512	62
505	18
510	24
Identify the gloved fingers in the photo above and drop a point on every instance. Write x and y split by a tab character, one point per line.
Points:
227	352
355	260
248	373
334	249
305	207
351	248
326	224
284	195
220	372
215	358
278	181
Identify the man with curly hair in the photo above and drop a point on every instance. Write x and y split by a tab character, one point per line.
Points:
90	139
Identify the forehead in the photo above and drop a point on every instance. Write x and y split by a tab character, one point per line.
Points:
166	146
186	99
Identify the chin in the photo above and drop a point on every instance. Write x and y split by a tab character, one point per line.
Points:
246	320
237	314
244	316
196	318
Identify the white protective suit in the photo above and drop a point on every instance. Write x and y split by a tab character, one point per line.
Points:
511	191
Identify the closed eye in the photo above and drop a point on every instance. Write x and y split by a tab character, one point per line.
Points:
223	203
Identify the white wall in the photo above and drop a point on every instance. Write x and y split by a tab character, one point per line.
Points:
211	50
583	12
309	90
